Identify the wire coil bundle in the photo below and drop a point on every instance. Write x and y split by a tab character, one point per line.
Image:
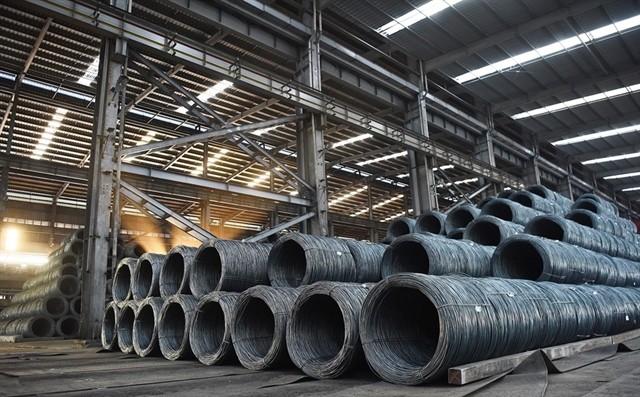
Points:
145	327
228	265
538	259
146	276
544	192
489	230
210	333
126	319
507	194
75	306
603	224
592	202
109	331
430	222
54	306
259	325
299	259
67	269
30	327
66	286
561	229
460	217
484	202
538	203
173	327
133	249
417	343
367	257
509	211
68	326
401	226
323	337
456	234
175	271
421	253
122	279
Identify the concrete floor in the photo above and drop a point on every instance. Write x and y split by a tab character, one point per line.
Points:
70	368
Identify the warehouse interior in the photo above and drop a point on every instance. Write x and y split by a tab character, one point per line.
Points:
159	123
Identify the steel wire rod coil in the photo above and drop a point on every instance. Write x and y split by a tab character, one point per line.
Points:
75	306
228	265
67	269
58	259
67	286
29	327
549	194
507	194
489	230
146	276
430	222
602	223
484	202
145	327
538	259
210	333
68	326
509	211
604	206
323	337
401	226
126	319
538	203
54	306
421	253
109	331
561	229
175	271
258	326
122	279
299	259
387	240
602	210
175	321
460	217
456	234
133	249
367	257
454	320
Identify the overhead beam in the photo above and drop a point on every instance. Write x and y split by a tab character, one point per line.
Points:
574	86
519	30
278	228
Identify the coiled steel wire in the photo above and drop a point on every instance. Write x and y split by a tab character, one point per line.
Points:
604	206
58	259
175	271
604	224
538	203
210	333
367	257
507	194
67	286
109	331
258	326
299	259
460	217
549	194
68	326
484	202
228	265
430	222
454	320
75	306
561	229
456	234
54	306
67	269
535	258
509	211
421	253
29	327
126	319
323	337
489	230
145	327
176	318
146	276
387	240
601	209
401	226
122	279
133	249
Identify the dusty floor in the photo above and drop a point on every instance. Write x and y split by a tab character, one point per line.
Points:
71	369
